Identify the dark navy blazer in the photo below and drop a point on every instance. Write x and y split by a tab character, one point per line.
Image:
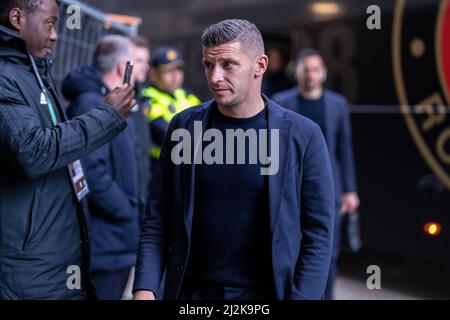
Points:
301	207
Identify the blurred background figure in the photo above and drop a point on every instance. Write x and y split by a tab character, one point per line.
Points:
330	111
276	78
112	171
140	78
167	95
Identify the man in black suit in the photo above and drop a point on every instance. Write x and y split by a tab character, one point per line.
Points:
330	111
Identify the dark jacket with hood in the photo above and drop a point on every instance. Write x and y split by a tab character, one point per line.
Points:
43	234
113	176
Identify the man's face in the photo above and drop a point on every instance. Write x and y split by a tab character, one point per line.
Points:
311	73
39	29
169	80
141	60
230	73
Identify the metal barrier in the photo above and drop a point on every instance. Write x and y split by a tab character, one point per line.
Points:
76	47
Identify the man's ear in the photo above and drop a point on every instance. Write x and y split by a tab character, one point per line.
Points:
325	75
261	65
17	19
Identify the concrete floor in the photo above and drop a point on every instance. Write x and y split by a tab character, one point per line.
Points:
350	289
400	279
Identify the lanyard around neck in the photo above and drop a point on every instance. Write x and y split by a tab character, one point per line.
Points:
50	107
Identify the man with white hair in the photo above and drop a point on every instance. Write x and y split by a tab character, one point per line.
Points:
112	171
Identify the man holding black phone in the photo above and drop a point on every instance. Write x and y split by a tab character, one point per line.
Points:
112	172
44	241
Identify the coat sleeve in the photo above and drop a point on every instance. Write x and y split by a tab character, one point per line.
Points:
317	221
42	150
158	128
155	227
345	151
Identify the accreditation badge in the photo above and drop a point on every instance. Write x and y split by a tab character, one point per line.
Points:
78	179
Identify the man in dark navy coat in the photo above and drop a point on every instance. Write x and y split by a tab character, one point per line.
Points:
252	221
330	111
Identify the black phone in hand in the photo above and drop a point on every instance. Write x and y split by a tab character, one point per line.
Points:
128	72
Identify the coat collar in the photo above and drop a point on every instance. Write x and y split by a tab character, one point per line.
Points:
6	34
13	46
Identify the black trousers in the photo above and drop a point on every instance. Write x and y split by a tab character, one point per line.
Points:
335	256
110	284
213	292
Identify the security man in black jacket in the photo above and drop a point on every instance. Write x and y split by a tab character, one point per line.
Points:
44	246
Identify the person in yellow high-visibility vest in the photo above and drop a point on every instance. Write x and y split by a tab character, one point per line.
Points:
167	96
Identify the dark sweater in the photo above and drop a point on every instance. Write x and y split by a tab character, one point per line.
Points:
311	109
231	233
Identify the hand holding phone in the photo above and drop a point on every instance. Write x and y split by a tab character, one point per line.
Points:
128	72
121	99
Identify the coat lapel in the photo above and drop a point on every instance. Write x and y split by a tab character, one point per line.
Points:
188	170
277	181
327	115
